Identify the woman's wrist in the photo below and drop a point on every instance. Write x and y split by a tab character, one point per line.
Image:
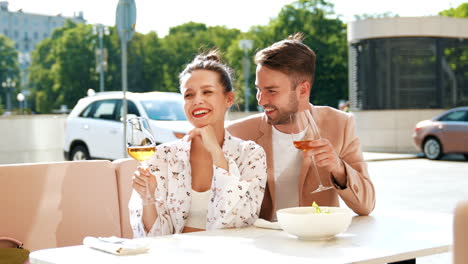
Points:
219	160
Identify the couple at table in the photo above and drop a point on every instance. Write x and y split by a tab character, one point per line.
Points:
217	177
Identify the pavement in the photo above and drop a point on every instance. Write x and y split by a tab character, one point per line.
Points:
380	156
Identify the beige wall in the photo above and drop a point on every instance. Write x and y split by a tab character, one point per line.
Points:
383	130
390	130
34	138
40	138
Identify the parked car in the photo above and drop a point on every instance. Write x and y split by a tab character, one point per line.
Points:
94	128
443	134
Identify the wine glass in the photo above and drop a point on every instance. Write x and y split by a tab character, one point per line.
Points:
141	146
304	130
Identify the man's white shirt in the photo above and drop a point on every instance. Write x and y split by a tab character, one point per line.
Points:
287	167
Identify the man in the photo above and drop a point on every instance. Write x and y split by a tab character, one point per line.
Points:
284	77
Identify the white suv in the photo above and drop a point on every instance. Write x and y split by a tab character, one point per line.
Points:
94	128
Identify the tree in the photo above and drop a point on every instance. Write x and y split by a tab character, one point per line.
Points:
261	37
460	11
8	64
456	55
153	62
63	67
185	41
324	34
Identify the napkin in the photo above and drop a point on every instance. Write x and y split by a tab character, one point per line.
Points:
116	245
262	223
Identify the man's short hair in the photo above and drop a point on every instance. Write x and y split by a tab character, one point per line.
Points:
290	56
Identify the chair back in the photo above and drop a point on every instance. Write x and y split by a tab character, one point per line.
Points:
47	205
460	233
124	169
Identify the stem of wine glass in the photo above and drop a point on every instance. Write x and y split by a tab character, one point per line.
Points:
321	187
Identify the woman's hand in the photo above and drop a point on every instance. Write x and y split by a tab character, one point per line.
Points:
208	137
142	177
211	144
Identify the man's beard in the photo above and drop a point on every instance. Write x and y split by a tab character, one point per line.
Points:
284	116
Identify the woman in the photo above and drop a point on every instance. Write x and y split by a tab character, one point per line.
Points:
208	179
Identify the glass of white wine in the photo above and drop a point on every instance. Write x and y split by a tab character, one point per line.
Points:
304	130
141	146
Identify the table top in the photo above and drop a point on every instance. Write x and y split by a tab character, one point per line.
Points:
386	236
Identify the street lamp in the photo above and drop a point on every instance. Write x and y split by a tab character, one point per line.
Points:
20	98
246	45
7	85
101	62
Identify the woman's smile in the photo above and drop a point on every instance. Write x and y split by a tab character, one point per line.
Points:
200	112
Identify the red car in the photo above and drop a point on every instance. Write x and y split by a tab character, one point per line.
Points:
445	133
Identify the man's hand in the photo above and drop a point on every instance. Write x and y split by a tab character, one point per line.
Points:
326	157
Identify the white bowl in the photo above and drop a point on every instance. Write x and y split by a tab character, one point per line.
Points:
304	223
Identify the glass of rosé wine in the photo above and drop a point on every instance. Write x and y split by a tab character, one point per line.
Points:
304	130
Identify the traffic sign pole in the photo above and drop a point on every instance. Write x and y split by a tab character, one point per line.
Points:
125	20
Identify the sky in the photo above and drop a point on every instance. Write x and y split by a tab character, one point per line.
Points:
159	16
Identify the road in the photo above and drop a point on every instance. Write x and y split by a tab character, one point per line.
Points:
422	185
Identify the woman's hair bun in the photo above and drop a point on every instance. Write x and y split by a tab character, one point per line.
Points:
208	56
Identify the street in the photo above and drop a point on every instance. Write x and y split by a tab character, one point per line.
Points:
421	185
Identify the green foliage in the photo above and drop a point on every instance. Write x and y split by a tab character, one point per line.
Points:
9	64
2	110
63	66
460	11
184	42
324	34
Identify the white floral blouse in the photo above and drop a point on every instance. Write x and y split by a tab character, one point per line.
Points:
236	195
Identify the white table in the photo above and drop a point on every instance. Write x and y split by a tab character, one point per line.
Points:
381	238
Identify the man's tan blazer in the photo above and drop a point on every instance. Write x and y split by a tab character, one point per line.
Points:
340	129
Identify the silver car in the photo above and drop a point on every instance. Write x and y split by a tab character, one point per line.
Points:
443	134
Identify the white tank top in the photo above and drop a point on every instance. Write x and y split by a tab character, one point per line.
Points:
198	209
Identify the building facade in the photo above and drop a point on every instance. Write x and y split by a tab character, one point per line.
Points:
403	70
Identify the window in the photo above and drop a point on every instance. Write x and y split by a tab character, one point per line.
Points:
16	34
5	31
131	109
87	111
36	35
164	110
457	116
408	73
104	109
